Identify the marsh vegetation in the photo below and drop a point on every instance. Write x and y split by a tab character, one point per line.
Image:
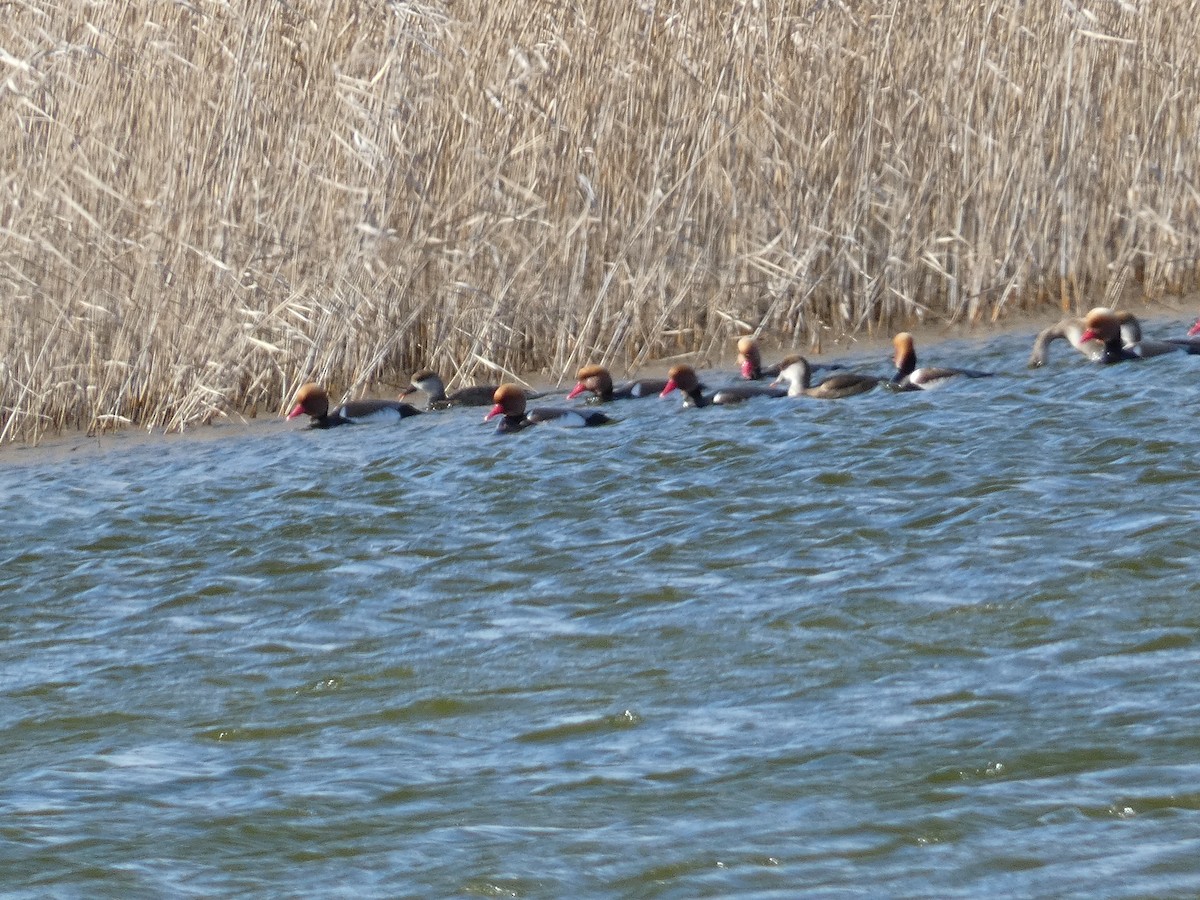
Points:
207	204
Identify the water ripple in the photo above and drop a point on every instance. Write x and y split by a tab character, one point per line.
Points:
926	644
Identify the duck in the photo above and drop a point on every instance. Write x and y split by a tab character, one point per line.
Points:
1104	325
429	382
751	367
313	400
684	379
1072	330
910	378
598	380
1189	344
687	382
750	361
510	402
797	375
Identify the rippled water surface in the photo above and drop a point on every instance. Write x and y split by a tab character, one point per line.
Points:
938	644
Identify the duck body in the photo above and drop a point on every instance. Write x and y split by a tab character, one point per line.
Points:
1147	349
743	392
510	403
598	381
684	379
909	377
797	375
1189	344
313	400
430	383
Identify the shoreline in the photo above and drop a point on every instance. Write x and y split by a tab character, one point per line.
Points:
1154	316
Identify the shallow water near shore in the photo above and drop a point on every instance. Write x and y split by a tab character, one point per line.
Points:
900	645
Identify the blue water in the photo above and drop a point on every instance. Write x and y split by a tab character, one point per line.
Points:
937	644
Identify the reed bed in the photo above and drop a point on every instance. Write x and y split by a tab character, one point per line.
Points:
207	203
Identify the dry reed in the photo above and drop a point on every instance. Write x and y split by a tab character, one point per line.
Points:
207	203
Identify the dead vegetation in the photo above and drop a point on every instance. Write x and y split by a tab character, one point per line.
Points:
205	204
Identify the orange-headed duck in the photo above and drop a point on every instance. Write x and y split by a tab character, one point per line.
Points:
1072	330
1104	325
684	379
751	367
510	403
687	382
750	361
312	400
910	378
797	374
598	380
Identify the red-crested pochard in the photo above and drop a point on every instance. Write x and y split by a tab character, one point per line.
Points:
1104	325
312	400
910	378
797	375
598	380
1071	330
684	379
751	367
429	382
510	403
750	361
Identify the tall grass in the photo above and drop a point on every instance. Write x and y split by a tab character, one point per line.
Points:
203	204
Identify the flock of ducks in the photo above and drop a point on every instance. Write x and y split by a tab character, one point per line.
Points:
1103	335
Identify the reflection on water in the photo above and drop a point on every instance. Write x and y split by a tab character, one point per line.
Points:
937	641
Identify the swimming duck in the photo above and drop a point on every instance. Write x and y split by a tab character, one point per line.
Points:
910	378
685	379
598	380
1191	343
510	402
313	400
797	375
750	361
1072	330
751	367
431	384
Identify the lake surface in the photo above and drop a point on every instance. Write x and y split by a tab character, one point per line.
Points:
938	644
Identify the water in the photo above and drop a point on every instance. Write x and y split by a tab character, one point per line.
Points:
931	644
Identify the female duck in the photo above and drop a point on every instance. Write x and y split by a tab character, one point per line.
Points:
313	400
432	385
510	403
797	375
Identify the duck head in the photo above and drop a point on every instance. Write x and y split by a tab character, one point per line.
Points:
749	358
592	378
509	400
312	400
